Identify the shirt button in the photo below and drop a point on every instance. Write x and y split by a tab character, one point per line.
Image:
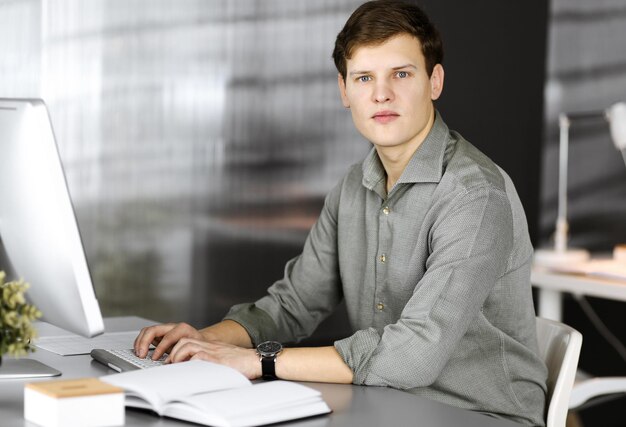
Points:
383	258
380	306
386	210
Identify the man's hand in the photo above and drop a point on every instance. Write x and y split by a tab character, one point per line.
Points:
164	338
244	360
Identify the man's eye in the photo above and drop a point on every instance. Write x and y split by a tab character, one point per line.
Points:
364	79
403	74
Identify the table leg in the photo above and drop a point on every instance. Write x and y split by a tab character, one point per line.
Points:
550	305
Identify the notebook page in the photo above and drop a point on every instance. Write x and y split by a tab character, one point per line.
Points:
267	402
174	381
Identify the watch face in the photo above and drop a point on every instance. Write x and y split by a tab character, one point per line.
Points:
269	347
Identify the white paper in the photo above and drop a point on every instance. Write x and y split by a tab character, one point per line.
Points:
165	383
260	404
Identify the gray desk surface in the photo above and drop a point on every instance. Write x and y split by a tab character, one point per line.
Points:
351	405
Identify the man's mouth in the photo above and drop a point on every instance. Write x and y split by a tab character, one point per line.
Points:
385	116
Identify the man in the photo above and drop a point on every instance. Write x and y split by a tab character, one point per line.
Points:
426	240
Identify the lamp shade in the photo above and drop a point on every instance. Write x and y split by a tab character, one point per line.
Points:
617	118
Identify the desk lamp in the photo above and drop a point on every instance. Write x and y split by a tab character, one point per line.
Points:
561	254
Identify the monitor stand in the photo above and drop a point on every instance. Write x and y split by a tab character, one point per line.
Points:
25	368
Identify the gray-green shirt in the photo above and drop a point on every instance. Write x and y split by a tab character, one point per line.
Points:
436	279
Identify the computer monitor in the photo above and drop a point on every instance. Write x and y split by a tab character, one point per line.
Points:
39	237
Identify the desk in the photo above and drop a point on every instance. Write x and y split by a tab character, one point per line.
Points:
551	285
352	405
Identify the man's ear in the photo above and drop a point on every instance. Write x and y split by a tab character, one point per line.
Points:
342	90
436	82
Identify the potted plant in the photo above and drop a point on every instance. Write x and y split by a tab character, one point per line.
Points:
16	329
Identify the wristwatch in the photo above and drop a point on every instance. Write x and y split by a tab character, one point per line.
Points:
268	351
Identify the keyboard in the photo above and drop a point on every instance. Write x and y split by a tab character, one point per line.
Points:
125	360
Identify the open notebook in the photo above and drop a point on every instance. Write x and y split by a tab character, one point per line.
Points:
216	395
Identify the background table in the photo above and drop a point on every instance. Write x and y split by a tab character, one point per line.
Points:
551	285
351	405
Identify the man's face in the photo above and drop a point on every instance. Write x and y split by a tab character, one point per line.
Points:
389	92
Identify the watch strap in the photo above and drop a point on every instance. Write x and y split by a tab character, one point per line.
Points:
268	367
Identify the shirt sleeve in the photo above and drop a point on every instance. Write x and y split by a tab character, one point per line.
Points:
470	244
309	291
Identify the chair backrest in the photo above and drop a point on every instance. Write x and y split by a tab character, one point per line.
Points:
559	347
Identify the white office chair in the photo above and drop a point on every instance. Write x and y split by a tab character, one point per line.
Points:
559	347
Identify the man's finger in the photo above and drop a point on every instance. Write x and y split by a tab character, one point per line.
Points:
185	349
147	336
169	340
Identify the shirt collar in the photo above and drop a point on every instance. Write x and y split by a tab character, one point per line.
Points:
426	164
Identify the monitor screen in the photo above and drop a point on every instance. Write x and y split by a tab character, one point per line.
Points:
39	237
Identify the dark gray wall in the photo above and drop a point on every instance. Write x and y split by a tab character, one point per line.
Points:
495	71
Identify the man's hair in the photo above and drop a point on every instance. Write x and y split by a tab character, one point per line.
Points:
377	21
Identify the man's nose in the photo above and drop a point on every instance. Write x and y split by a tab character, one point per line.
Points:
382	92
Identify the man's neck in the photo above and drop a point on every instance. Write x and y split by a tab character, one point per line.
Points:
395	159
